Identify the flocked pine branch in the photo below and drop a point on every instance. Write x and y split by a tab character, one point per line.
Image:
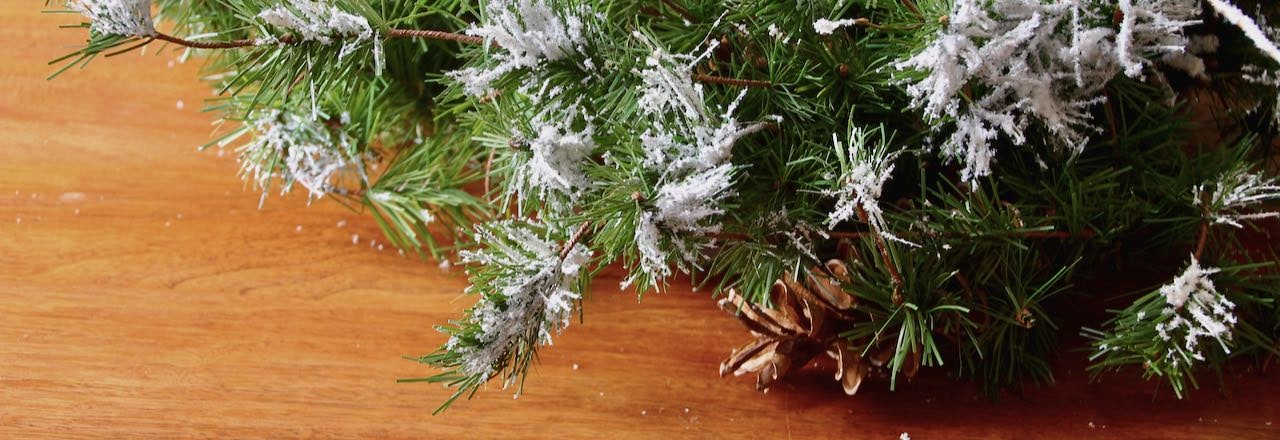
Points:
1171	330
125	18
540	138
1236	196
298	149
1031	71
529	285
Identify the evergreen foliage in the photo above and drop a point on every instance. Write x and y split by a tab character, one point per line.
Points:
970	160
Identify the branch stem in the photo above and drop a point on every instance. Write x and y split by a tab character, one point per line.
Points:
888	261
736	82
431	34
230	44
574	239
680	10
1203	236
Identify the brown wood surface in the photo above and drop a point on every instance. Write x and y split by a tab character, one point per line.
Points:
143	294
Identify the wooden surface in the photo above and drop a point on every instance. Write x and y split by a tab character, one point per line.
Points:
143	294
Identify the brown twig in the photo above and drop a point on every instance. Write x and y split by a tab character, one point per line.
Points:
232	44
912	7
1204	226
431	34
684	13
736	82
488	167
847	234
867	23
1111	117
888	261
1085	234
1200	241
574	239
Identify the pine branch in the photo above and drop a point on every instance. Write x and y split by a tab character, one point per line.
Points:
429	34
606	146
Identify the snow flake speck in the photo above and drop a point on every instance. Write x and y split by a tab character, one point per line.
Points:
778	34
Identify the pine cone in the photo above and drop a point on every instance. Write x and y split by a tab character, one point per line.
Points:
803	323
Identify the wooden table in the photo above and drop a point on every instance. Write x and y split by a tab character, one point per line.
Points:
143	294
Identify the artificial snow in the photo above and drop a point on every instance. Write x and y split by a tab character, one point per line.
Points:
125	18
323	23
648	243
1037	62
864	171
1251	29
556	163
529	32
826	27
1197	310
1232	194
684	204
688	146
539	300
312	154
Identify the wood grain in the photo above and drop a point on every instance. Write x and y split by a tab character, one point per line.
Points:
144	295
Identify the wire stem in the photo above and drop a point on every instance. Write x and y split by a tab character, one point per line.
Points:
736	82
574	239
232	44
431	34
888	262
1203	236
